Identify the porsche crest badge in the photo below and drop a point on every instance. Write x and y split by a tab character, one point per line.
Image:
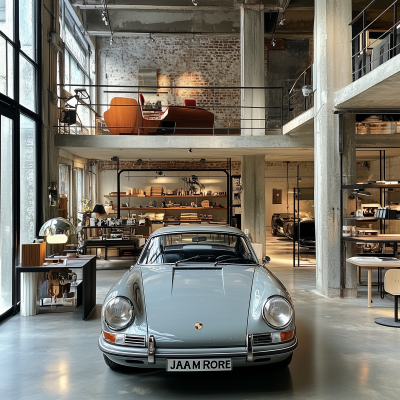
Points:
198	325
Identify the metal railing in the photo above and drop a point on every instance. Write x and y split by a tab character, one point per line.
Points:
372	47
303	85
229	116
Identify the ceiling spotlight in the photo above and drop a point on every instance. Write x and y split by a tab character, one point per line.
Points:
203	160
273	42
104	15
282	21
190	150
151	38
159	172
195	3
111	40
140	161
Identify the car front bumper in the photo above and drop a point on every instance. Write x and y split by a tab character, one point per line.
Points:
138	357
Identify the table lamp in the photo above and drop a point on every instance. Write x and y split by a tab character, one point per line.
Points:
57	230
99	209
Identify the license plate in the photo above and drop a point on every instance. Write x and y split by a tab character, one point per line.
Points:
189	365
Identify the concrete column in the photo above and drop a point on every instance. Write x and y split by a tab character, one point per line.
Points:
253	200
349	170
252	68
332	57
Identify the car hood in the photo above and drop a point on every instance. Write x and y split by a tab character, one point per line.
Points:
177	298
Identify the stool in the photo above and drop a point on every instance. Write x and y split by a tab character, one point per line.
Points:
392	286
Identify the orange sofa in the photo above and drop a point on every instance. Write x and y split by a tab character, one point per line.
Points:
125	117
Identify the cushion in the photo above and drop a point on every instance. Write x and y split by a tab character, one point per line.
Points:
190	103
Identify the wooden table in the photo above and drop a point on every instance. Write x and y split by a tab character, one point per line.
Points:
370	265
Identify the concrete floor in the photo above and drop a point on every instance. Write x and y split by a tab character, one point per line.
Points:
342	353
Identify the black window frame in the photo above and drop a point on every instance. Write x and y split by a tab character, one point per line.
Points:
11	108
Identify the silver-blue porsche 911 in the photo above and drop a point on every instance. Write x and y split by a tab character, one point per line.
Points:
198	300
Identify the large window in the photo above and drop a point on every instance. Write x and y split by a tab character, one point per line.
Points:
19	122
27	179
6	215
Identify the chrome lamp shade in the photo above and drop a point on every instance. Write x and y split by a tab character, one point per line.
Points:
57	230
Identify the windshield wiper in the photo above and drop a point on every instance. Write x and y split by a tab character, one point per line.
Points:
193	258
228	259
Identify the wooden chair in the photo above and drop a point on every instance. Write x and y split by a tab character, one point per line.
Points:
392	286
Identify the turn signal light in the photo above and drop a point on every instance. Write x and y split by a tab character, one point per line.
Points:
110	337
288	335
116	338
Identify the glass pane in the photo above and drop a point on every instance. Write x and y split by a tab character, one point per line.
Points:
28	179
27	27
66	70
79	188
75	47
76	75
64	179
6	221
7	17
27	89
6	68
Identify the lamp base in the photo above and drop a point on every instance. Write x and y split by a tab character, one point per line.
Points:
387	322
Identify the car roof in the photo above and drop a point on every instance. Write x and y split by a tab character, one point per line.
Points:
197	228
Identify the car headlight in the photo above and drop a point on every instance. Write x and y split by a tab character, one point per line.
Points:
277	312
118	313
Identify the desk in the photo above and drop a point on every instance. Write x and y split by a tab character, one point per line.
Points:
88	265
370	265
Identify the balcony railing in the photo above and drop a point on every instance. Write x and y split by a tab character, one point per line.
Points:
372	46
301	95
170	110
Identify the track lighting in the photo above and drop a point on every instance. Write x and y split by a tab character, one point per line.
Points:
104	17
111	40
190	150
282	21
273	42
151	38
195	3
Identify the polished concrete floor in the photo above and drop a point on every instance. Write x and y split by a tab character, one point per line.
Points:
342	353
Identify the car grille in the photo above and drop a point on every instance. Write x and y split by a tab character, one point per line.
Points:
262	339
135	340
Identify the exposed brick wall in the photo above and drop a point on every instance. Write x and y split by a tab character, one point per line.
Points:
180	61
178	165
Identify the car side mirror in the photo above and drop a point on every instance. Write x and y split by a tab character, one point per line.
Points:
266	260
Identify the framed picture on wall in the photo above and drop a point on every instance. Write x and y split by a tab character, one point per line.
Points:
276	196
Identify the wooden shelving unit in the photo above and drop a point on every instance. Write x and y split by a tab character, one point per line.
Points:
173	208
164	196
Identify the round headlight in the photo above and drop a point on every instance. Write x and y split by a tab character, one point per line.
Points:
119	313
277	312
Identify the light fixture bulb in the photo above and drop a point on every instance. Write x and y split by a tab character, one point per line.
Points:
195	3
190	150
57	239
282	21
111	40
273	42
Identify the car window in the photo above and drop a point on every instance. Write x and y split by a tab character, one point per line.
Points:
197	247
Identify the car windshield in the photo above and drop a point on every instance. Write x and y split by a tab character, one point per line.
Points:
197	247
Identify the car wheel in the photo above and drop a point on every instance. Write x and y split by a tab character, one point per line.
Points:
274	232
113	365
285	363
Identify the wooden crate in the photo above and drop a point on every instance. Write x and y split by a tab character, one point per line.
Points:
33	254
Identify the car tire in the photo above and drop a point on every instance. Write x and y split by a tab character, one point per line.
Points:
274	232
285	363
113	365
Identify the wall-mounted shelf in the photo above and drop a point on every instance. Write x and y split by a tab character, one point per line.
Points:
165	196
371	186
363	218
173	208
